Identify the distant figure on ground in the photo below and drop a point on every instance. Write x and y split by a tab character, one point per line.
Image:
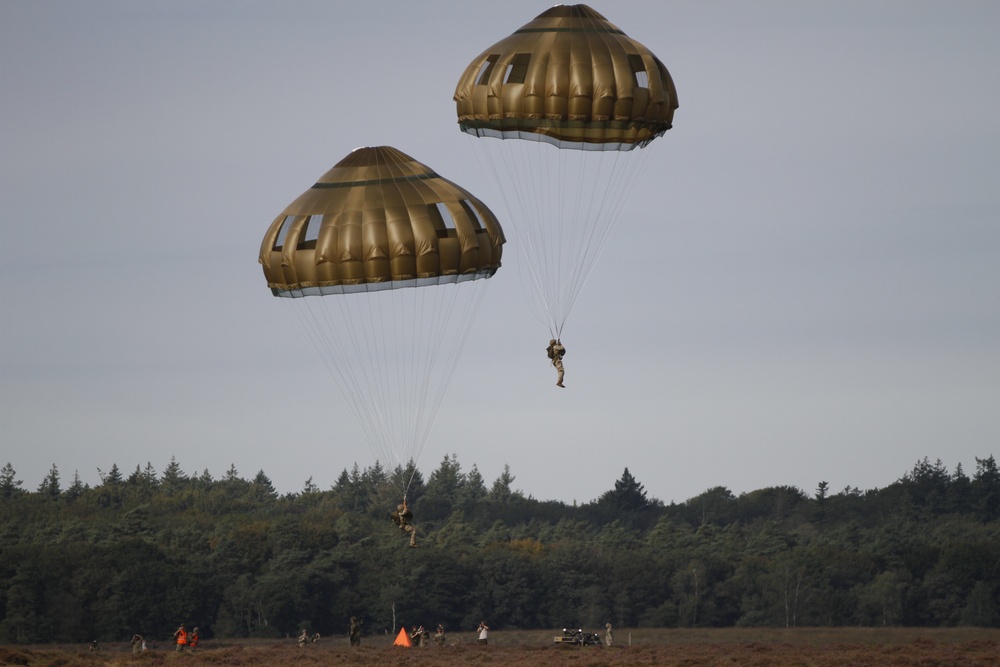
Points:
439	635
303	637
181	636
315	638
484	632
94	646
420	636
402	517
355	632
556	352
609	639
137	643
193	640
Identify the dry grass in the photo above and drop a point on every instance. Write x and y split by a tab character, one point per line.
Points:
733	647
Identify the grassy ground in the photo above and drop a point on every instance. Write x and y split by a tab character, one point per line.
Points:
731	647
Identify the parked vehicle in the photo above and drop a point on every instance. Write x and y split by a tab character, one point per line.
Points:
578	637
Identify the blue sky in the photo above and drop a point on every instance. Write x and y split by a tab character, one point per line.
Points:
804	286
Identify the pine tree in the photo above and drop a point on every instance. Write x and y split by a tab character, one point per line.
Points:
627	496
173	477
77	488
50	485
9	487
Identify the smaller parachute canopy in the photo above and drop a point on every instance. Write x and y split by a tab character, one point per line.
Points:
379	220
570	78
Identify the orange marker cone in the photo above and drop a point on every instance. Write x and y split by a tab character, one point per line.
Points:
402	639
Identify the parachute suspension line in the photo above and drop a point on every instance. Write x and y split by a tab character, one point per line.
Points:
344	358
397	333
494	155
598	212
544	223
392	436
393	353
564	204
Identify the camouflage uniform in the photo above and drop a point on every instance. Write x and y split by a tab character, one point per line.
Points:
556	352
401	517
420	636
439	635
355	632
609	639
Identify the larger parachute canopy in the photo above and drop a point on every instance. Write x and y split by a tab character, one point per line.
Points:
571	78
391	259
379	220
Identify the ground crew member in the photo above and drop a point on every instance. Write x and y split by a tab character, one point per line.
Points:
303	637
420	636
556	353
609	638
355	632
484	632
193	640
181	635
137	643
439	635
401	517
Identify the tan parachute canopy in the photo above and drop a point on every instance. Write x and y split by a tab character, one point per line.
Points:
379	220
572	77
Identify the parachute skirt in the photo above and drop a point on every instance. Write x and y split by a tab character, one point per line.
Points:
327	290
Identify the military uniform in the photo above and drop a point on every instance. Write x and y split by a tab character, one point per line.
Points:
401	517
556	352
439	635
355	632
420	636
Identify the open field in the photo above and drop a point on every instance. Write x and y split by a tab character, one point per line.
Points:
735	647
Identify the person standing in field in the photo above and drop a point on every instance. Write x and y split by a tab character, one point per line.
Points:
420	636
137	643
484	632
303	637
193	640
181	637
609	638
439	635
354	634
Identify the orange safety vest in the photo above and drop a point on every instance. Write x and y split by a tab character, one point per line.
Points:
194	640
182	637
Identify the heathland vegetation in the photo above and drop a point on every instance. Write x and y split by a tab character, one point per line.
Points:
146	551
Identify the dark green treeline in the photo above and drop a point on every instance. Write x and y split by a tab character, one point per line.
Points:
146	552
